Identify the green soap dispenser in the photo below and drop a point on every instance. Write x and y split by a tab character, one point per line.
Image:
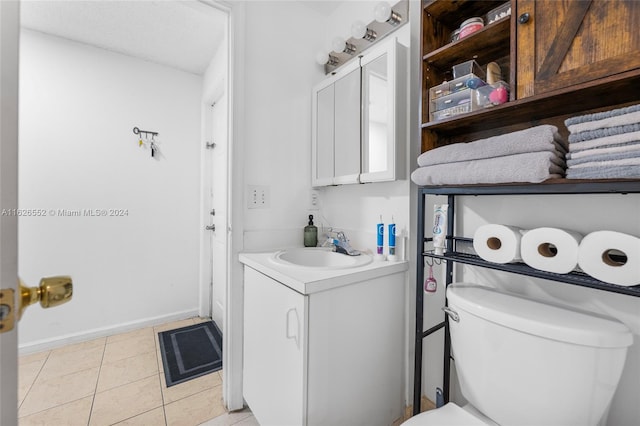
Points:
310	234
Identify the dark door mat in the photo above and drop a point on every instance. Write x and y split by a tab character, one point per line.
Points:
190	352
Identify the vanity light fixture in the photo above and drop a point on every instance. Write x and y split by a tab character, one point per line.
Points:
360	30
388	18
384	13
323	58
340	45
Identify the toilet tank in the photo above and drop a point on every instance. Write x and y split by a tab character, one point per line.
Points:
523	362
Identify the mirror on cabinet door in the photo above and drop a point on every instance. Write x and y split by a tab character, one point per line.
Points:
346	139
323	168
383	117
375	116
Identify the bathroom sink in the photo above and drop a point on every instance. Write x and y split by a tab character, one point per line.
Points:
320	258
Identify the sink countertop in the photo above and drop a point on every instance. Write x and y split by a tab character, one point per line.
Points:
312	280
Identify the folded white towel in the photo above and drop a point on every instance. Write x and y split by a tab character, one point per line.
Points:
617	120
635	161
601	133
535	139
607	140
603	157
531	167
601	115
610	172
609	150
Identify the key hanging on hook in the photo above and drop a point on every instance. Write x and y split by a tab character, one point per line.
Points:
137	131
153	146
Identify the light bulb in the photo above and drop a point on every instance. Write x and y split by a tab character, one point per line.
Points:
322	58
338	44
382	12
358	29
341	46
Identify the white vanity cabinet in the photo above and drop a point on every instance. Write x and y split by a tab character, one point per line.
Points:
331	357
359	119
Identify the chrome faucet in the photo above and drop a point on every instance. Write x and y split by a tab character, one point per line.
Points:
341	244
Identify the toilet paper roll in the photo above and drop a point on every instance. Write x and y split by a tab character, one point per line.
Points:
498	243
551	249
612	257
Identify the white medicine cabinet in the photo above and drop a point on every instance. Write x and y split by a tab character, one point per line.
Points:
359	117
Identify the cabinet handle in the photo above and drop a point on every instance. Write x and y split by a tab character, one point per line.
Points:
293	336
524	18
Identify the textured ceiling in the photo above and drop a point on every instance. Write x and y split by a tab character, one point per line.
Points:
180	34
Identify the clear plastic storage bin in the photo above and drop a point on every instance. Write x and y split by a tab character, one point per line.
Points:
468	67
487	96
456	103
452	86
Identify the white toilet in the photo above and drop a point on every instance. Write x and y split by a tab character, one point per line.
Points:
523	362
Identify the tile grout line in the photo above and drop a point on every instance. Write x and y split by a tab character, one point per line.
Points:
157	344
53	378
33	382
134	416
95	390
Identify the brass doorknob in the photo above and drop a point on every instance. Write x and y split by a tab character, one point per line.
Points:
52	291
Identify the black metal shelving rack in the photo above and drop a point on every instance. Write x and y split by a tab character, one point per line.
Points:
452	255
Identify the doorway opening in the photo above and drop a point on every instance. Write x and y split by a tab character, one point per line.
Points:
90	73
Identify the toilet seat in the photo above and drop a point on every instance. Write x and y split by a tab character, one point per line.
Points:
448	415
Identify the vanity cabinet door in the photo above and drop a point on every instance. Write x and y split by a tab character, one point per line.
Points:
383	112
275	351
566	43
335	143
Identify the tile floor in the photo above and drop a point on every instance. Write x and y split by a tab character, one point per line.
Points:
117	380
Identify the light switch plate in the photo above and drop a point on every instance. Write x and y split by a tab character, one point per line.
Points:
314	200
258	197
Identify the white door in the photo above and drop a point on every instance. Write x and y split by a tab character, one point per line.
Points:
9	31
218	209
275	368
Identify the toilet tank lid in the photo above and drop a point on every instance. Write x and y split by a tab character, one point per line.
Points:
540	319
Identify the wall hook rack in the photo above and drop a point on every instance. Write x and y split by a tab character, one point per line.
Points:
152	144
137	131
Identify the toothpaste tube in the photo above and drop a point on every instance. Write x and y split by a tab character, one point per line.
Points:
440	227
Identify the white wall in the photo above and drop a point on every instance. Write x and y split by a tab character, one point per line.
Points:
78	106
280	70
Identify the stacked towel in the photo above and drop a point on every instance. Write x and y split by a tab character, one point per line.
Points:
605	145
531	155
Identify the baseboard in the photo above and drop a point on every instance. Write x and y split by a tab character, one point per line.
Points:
56	342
